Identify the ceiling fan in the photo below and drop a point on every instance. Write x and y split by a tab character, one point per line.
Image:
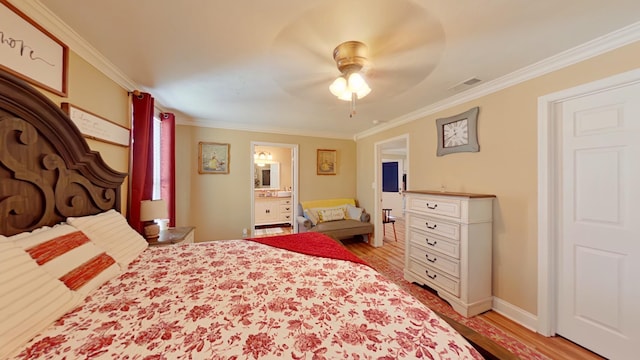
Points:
350	58
393	45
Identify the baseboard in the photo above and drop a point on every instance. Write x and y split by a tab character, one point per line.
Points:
515	314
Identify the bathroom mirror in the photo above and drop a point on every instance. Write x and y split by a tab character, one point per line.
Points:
267	176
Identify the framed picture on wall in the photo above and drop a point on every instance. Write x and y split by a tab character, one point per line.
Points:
31	52
327	162
213	158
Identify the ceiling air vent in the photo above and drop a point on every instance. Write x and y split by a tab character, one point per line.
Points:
465	84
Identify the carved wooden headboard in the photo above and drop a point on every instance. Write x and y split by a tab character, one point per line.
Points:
47	170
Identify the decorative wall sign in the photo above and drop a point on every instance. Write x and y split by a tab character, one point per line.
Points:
458	133
30	52
213	158
326	162
96	127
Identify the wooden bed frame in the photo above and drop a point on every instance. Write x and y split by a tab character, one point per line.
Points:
47	170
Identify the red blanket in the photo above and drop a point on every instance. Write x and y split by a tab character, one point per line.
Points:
311	243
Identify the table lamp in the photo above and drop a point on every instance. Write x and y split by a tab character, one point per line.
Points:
151	210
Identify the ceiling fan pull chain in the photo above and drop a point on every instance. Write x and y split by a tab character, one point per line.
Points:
353	104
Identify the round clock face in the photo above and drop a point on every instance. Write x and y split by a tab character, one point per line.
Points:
456	133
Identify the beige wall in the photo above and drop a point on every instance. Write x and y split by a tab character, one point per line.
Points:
505	166
91	90
220	205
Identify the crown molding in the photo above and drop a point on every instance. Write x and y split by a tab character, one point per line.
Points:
37	11
595	47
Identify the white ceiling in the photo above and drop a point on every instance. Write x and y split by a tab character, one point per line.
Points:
267	65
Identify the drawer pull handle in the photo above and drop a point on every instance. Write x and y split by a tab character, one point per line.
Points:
431	227
433	277
431	244
432	207
431	260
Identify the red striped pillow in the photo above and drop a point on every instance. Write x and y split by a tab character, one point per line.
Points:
69	255
80	276
51	249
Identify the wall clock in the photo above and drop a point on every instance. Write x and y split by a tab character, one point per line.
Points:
458	133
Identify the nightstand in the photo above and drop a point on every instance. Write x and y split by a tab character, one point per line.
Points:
175	235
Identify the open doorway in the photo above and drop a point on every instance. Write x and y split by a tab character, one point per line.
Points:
274	188
391	174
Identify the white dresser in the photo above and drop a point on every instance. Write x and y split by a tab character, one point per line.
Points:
448	247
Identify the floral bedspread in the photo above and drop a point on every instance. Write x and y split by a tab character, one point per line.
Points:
238	299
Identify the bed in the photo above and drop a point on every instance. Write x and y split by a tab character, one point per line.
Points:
78	282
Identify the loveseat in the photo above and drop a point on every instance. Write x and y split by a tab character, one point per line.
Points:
337	218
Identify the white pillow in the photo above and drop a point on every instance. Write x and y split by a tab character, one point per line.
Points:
30	300
311	215
110	231
68	255
354	212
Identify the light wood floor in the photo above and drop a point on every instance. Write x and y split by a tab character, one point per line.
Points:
554	347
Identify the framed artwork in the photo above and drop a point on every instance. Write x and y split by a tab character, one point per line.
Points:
458	133
30	52
326	162
213	158
96	127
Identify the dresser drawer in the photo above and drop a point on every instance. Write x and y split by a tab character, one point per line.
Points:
285	202
284	208
434	277
429	258
434	242
435	206
435	226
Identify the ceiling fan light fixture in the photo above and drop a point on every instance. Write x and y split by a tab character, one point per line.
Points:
350	58
346	96
364	91
356	82
338	86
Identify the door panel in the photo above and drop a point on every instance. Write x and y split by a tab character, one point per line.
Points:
599	249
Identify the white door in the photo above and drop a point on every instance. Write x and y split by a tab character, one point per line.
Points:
599	249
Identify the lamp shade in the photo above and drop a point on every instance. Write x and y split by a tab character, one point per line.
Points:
153	209
338	86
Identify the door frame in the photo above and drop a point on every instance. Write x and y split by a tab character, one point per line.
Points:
549	172
378	236
294	181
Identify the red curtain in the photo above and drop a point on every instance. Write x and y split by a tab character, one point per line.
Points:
168	163
141	172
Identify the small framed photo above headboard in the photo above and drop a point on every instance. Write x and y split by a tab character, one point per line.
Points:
95	127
